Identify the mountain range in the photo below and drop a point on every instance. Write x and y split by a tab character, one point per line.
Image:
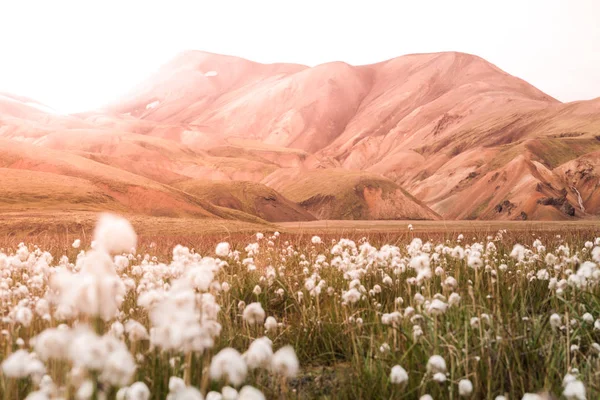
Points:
422	136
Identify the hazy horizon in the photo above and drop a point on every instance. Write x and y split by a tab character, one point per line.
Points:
75	56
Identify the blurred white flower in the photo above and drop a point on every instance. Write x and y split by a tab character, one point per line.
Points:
465	388
222	249
254	313
229	393
229	365
398	375
114	234
22	364
137	391
212	395
437	307
555	321
250	393
351	296
518	252
574	390
271	324
285	362
259	353
436	364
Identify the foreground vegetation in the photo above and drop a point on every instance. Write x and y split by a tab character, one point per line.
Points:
396	315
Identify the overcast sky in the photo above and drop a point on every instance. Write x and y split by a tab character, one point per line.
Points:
78	55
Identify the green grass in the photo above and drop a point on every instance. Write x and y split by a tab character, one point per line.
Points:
554	152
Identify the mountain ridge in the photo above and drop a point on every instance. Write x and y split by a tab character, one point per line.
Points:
453	131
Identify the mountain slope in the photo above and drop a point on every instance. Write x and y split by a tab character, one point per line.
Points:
464	138
249	197
436	124
342	194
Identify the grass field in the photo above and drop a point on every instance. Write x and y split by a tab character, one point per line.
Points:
353	303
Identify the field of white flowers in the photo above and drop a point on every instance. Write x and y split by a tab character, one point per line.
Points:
496	316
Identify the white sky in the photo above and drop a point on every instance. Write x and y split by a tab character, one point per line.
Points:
78	55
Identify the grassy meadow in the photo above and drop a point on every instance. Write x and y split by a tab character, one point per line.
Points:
381	311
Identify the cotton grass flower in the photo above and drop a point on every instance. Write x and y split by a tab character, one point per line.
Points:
229	365
574	390
437	307
137	391
555	321
454	300
351	296
52	343
518	252
250	393
285	362
465	388
588	318
212	395
114	234
222	249
436	364
229	393
271	324
254	314
21	364
398	375
532	396
259	353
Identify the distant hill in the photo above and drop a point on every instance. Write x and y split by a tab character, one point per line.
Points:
422	136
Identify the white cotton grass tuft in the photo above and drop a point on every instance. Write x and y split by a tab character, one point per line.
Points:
259	353
271	324
137	391
229	365
222	249
250	393
187	393
574	390
119	366
52	343
532	396
114	234
212	395
555	321
176	385
351	296
465	388
518	252
22	364
437	307
76	243
229	393
399	376
136	331
435	364
285	362
254	313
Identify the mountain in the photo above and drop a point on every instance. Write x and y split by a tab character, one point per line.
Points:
422	136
